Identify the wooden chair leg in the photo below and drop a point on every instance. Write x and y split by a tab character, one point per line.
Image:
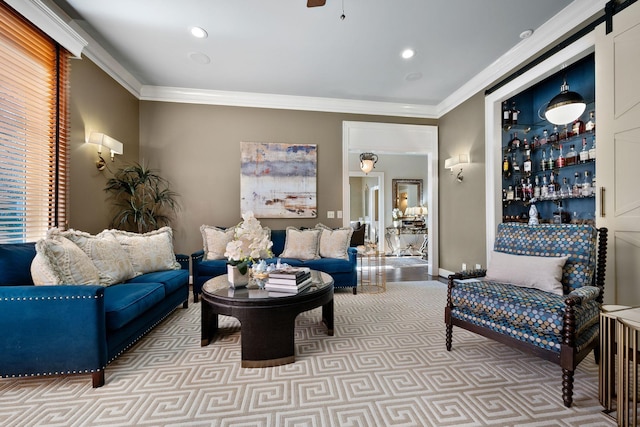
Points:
185	304
98	378
355	290
449	338
567	387
596	354
195	296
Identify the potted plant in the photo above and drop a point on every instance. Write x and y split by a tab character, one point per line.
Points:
142	199
250	242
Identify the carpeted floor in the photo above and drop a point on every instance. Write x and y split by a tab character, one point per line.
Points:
385	366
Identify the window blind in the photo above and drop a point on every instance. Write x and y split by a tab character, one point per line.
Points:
34	129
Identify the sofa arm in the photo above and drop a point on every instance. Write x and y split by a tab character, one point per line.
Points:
585	293
51	330
183	260
196	259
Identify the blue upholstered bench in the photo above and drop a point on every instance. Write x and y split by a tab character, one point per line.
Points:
562	327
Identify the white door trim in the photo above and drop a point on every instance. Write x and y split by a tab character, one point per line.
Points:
391	138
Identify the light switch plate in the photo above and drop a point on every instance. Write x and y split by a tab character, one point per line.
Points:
331	214
339	214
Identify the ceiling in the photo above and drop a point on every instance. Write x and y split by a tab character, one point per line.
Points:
281	47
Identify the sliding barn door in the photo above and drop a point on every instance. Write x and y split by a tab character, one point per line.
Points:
618	152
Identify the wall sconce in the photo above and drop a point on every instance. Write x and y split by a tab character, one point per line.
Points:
102	140
368	162
455	161
565	107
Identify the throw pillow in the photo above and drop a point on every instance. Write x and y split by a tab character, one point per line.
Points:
334	243
148	252
215	241
107	255
301	244
66	262
539	272
41	272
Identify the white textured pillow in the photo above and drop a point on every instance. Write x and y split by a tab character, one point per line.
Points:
215	241
66	262
301	244
41	272
539	272
106	253
334	243
149	252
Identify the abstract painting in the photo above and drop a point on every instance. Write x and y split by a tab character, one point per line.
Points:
278	180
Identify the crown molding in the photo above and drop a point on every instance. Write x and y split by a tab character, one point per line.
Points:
572	16
284	102
107	63
43	17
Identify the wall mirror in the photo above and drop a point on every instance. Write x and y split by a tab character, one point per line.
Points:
406	193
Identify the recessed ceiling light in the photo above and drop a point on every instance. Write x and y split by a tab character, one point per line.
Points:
198	32
408	53
526	34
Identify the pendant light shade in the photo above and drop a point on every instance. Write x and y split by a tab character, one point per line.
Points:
565	107
368	162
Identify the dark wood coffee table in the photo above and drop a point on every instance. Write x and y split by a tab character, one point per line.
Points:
267	319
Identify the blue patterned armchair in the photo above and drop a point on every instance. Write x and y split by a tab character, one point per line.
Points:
561	327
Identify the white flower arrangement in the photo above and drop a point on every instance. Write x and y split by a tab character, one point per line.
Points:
250	242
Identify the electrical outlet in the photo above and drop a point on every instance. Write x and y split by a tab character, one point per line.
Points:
478	267
339	214
331	214
464	266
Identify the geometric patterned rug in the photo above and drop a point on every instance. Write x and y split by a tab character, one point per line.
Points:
386	365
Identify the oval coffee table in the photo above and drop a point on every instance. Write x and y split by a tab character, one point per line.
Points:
267	318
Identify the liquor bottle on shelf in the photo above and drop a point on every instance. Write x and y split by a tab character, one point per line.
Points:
592	150
555	136
535	144
529	189
586	185
545	137
514	113
577	185
525	144
506	168
551	163
536	188
506	114
510	193
543	161
526	165
584	153
572	156
578	127
552	186
515	142
564	134
565	189
544	190
560	160
514	163
591	124
593	185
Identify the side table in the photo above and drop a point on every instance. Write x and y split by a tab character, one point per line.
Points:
373	277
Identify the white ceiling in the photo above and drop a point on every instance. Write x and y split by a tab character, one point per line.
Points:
282	47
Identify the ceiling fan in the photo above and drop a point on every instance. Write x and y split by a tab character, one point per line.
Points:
314	3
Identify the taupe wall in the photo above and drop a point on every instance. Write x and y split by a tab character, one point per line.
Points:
462	205
197	147
98	103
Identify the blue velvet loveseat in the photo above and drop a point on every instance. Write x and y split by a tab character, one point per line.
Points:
77	329
541	293
343	271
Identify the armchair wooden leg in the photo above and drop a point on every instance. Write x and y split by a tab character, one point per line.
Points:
567	387
596	354
355	290
185	304
449	338
195	296
98	379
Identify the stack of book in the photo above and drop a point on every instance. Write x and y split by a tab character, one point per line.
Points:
289	280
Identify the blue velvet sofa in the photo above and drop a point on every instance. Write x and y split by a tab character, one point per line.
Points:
63	329
343	271
561	325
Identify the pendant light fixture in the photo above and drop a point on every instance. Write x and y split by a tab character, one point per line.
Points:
368	162
565	107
